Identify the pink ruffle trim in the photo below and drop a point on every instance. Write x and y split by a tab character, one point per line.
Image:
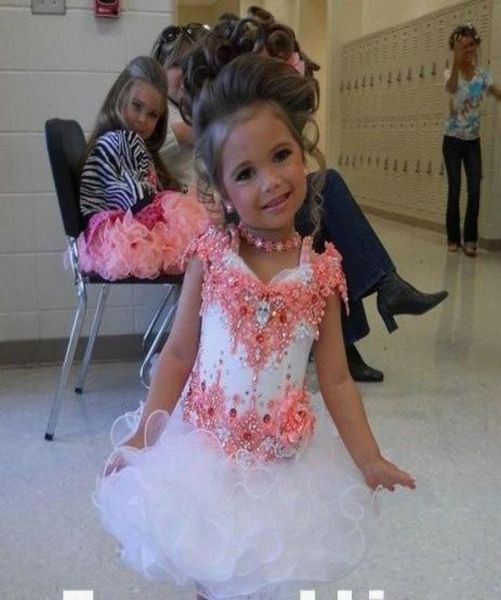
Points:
118	244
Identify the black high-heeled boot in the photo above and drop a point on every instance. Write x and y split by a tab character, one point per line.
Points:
359	369
397	297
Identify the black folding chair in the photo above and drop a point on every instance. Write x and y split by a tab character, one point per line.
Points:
66	145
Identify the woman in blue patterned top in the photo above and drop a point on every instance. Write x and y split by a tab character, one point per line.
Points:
467	85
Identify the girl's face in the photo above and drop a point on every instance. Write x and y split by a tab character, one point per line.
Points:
263	174
143	108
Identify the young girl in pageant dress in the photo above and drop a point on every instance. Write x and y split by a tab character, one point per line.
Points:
133	225
231	478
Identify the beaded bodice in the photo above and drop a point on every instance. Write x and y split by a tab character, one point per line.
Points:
248	384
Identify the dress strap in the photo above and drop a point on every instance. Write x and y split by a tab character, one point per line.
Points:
306	251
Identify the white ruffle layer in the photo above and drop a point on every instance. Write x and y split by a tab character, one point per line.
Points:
182	510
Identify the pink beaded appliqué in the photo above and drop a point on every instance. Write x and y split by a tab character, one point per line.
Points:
265	317
281	432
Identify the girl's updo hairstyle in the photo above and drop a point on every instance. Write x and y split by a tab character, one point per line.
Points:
231	37
467	30
245	84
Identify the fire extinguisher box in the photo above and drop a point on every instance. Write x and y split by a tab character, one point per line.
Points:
107	8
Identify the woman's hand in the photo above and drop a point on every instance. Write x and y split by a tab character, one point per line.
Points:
381	472
459	51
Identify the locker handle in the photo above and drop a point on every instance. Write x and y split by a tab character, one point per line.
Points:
441	172
356	84
409	74
395	165
418	166
434	69
389	77
428	168
385	164
399	76
363	82
404	168
421	72
371	81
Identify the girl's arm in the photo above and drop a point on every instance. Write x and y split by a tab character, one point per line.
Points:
176	360
345	406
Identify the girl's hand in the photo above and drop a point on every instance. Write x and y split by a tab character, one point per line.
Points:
117	460
381	472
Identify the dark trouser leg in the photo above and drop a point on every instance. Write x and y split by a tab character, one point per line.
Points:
452	151
367	265
355	325
365	260
473	168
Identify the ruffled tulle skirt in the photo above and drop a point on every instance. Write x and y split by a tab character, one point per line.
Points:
237	528
120	244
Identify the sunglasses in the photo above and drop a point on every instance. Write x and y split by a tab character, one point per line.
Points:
193	31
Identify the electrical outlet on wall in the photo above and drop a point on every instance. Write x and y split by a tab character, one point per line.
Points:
48	7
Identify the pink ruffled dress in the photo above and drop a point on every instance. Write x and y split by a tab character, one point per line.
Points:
246	491
118	244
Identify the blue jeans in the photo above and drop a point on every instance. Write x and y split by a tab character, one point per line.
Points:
468	152
365	260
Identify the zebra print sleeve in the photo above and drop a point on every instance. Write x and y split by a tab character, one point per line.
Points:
116	174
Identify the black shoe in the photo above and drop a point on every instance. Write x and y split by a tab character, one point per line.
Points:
360	371
397	297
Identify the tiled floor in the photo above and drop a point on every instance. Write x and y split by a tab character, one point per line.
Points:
438	413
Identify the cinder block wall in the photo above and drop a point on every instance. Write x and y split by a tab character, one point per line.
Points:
56	65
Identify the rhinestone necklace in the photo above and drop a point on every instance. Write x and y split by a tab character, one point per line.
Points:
268	245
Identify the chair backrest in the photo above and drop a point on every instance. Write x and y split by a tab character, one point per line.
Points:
66	145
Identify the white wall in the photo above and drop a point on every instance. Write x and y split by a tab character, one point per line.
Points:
56	65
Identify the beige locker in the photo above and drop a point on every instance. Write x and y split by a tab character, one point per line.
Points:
393	104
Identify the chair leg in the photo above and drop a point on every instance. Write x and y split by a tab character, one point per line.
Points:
94	330
76	330
149	331
144	371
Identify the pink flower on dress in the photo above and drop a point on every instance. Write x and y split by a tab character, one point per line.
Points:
295	419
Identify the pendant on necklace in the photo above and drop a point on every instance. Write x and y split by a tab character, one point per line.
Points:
263	310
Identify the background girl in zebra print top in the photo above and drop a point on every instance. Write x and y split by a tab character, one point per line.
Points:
137	222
